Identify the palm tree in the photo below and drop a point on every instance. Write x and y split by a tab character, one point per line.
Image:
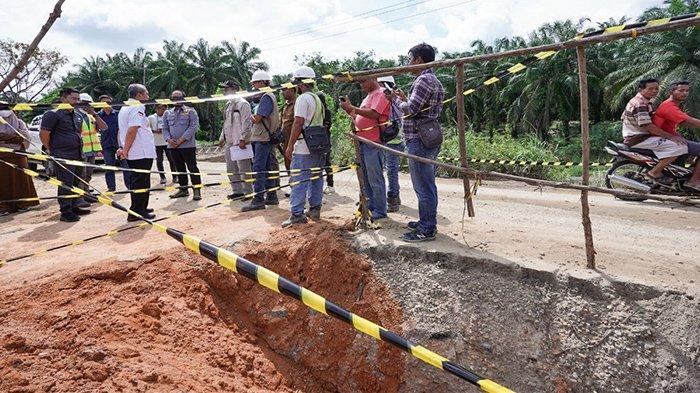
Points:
95	77
669	56
243	60
132	69
171	69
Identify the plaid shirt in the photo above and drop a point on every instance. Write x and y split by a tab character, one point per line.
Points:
637	114
426	92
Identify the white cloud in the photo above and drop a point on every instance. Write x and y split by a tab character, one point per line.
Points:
123	25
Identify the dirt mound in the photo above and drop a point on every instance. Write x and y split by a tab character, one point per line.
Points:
176	322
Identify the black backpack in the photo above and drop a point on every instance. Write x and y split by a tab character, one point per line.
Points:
390	131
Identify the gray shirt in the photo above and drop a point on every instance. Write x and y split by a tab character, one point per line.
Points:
183	123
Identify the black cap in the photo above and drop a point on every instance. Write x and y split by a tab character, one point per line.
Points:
230	85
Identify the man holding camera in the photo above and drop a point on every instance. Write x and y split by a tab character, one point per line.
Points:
373	111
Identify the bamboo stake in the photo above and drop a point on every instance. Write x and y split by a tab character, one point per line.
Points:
461	130
32	47
585	155
534	182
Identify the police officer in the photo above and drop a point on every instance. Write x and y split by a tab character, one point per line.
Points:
180	125
60	133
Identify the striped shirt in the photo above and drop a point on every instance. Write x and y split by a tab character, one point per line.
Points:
637	114
426	93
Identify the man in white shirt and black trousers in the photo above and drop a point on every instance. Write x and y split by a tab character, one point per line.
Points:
138	148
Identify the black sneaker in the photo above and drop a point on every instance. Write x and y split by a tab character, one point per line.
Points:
235	195
149	210
272	199
417	237
81	212
314	213
412	225
255	204
69	217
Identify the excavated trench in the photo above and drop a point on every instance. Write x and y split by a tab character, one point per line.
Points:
176	322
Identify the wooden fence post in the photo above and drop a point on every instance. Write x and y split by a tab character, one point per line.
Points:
363	208
585	155
461	130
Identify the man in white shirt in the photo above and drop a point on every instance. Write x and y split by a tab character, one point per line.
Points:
236	131
155	122
137	147
308	111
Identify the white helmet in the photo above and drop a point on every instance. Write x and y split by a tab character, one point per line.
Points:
85	97
304	72
260	75
387	78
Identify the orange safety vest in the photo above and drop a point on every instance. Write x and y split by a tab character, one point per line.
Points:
91	139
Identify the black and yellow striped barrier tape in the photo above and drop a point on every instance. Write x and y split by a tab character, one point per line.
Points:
173	215
566	164
632	26
112	168
281	285
331	169
496	78
30	106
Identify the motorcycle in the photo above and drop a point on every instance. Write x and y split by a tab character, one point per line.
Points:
630	166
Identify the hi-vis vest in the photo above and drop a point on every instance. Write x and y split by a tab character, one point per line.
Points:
91	140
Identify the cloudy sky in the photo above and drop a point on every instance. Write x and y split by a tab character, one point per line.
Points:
283	29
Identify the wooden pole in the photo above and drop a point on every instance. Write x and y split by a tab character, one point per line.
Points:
461	130
623	34
585	155
363	208
32	47
535	182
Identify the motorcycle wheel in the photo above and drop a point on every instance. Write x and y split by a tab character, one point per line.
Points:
624	168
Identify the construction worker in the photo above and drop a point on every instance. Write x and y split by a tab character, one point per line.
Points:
308	112
266	120
91	139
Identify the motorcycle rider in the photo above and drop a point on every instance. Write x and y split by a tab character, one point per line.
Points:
669	115
639	132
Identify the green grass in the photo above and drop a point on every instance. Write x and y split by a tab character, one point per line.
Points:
502	147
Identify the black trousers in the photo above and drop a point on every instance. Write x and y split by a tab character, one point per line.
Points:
139	201
160	151
185	160
66	177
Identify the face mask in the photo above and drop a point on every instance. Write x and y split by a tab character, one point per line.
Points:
5	113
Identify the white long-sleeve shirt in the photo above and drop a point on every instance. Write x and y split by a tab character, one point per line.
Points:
237	122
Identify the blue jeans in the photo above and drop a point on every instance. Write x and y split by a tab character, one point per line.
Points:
109	154
392	164
263	161
375	186
423	179
313	188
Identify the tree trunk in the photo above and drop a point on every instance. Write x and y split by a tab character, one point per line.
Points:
566	130
32	47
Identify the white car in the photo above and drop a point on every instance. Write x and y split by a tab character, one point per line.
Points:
35	147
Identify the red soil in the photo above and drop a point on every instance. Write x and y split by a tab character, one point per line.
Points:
177	322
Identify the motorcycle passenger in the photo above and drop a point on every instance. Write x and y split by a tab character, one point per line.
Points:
639	132
669	115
